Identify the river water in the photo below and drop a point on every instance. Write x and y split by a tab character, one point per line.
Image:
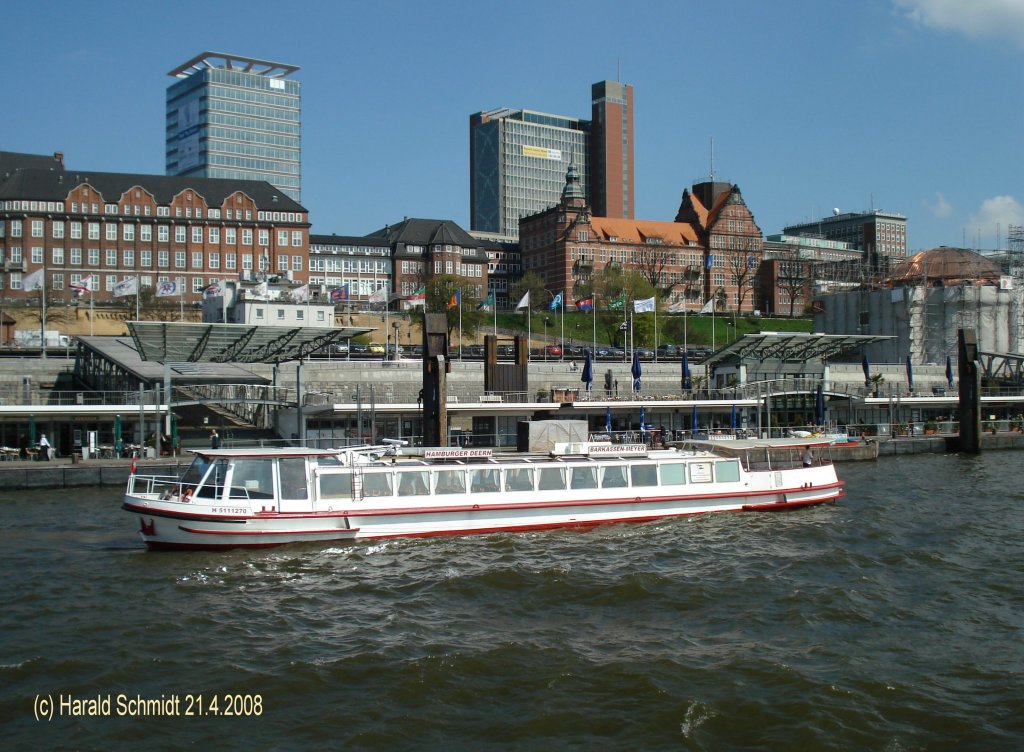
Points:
892	620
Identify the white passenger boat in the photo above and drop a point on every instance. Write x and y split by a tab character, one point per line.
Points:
232	498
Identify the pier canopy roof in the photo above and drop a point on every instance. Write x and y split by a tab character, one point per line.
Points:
794	347
184	342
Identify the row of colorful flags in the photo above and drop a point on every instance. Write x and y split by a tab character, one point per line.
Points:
166	288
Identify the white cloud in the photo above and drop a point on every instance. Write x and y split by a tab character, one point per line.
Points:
973	18
940	208
996	211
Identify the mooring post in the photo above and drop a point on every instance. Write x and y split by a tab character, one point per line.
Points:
435	392
969	391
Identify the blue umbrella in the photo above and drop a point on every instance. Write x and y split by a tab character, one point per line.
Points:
949	371
819	406
687	385
910	375
732	417
588	371
636	371
643	418
867	371
694	423
608	419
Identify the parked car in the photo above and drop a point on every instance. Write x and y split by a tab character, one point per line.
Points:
667	351
376	348
555	350
358	348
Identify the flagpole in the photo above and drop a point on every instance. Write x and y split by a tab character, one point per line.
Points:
655	327
494	308
181	302
92	317
593	311
561	347
42	314
138	284
461	343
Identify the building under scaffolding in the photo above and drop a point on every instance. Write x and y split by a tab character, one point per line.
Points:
925	299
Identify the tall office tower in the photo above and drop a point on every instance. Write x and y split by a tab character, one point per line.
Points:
235	117
611	150
517	164
518	160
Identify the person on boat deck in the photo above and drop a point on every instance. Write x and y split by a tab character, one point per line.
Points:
214	439
808	458
44	448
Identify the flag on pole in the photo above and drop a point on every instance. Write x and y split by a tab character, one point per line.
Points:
524	302
33	281
340	294
301	294
418	298
380	295
487	304
130	286
258	292
212	290
587	304
644	306
456	299
709	307
556	303
170	287
618	302
710	262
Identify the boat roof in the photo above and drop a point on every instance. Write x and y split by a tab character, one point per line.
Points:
267	452
745	444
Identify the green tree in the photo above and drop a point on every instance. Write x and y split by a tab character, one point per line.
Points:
440	296
532	282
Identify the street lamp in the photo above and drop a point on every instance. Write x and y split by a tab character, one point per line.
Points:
396	325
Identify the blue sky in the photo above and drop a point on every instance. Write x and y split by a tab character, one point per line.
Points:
912	106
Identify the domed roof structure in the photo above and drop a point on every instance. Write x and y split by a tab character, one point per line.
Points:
945	266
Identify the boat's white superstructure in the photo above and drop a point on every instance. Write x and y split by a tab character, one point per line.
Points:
230	498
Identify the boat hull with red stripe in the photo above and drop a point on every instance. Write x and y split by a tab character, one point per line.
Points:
261	498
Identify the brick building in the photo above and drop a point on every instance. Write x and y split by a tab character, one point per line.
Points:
712	249
100	228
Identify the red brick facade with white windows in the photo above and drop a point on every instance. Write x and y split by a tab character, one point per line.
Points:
103	228
713	249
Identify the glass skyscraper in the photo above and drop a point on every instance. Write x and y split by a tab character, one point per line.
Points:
518	163
519	160
235	117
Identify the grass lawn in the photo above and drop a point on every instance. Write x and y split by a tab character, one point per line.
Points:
700	330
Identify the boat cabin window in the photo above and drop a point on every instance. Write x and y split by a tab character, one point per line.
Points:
377	484
414	483
583	477
673	474
484	480
336	485
519	479
450	482
614	477
213	486
253	479
195	472
728	471
644	475
292	472
551	479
